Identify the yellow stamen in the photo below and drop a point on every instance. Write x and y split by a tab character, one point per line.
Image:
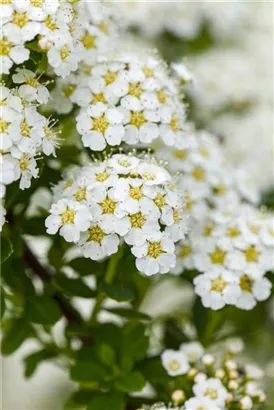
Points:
137	220
155	250
96	234
218	256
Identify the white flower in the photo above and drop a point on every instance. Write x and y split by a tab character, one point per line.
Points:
253	372
31	90
175	362
217	289
155	255
2	216
71	217
246	403
25	167
252	289
63	59
38	10
99	126
10	54
20	27
193	350
97	244
213	389
123	164
204	403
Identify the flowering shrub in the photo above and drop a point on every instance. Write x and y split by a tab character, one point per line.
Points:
110	191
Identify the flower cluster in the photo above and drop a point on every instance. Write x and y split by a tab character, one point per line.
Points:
69	33
213	382
122	197
24	132
132	101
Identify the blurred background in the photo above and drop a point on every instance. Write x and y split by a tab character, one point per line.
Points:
228	49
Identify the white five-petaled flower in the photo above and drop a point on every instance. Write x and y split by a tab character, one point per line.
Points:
212	389
175	362
31	89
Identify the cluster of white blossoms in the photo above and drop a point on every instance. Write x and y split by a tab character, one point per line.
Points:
230	241
183	19
69	32
131	100
214	382
122	197
24	132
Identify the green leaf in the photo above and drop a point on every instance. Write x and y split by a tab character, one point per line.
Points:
33	360
6	249
14	275
207	322
73	287
34	226
108	401
135	342
129	313
16	334
42	309
90	371
117	292
86	266
3	304
153	370
130	382
107	355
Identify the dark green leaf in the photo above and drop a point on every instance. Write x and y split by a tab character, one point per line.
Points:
135	342
108	401
42	309
85	266
14	275
207	321
129	313
106	355
6	249
16	334
90	371
34	226
73	287
153	370
117	292
3	304
130	382
33	360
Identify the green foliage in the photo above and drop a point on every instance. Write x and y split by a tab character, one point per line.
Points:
73	287
117	292
3	303
42	309
6	249
106	401
33	360
17	332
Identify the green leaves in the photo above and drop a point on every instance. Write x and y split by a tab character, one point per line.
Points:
129	313
33	360
18	331
207	322
3	304
107	401
42	309
130	382
85	266
135	342
118	292
6	249
73	287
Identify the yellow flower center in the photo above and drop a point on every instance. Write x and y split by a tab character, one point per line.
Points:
180	153
110	77
188	202
124	163
103	27
36	3
3	126
203	151
64	53
108	206
50	23
148	72
185	251
32	82
80	195
246	283
218	256
20	19
100	124
218	284
25	129
233	232
251	254
136	193
48	133
161	95
176	216
174	365
137	119
102	176
212	394
254	228
149	177
208	229
67	217
88	41
69	90
198	173
174	124
135	89
68	183
155	249
96	234
24	162
5	47
137	220
220	190
98	98
159	200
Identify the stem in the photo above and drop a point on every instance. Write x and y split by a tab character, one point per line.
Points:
110	274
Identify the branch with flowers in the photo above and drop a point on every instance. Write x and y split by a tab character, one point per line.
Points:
109	191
